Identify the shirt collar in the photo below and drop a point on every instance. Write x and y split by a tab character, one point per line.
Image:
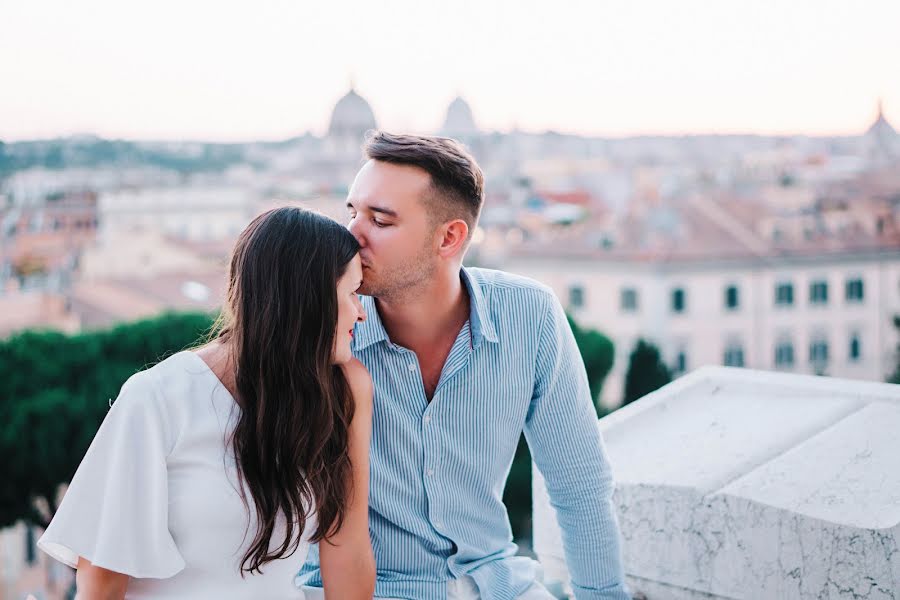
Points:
480	321
371	331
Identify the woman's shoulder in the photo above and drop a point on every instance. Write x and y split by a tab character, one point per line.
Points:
359	379
164	386
150	381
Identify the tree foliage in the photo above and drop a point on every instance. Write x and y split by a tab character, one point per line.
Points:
597	352
55	391
646	372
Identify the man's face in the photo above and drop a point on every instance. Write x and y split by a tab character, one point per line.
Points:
389	219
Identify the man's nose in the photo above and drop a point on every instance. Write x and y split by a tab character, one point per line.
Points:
355	227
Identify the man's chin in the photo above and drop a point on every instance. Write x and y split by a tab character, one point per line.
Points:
367	290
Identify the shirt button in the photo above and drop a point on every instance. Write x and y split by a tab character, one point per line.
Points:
412	367
427	419
430	472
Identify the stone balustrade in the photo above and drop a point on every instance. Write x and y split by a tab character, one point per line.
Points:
743	484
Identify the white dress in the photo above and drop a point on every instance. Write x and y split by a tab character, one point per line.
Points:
156	498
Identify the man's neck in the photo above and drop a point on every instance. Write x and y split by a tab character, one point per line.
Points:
437	309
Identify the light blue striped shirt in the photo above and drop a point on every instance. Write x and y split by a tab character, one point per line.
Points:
438	468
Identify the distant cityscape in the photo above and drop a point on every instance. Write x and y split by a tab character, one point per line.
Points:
768	252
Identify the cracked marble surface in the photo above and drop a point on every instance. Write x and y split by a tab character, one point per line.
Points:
740	484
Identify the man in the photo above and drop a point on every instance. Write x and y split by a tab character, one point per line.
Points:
463	361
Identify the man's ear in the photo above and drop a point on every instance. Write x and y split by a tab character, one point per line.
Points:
453	238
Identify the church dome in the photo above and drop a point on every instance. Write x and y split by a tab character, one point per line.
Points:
881	139
352	117
459	121
881	127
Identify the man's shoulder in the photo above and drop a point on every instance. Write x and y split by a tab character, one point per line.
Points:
492	280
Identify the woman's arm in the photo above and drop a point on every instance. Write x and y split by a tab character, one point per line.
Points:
97	583
345	558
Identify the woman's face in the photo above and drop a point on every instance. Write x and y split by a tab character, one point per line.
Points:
350	310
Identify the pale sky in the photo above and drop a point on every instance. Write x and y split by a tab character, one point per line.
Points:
239	70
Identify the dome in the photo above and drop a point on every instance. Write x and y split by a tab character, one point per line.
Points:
459	120
881	127
352	117
881	139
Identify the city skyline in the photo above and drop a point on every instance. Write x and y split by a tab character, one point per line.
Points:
244	72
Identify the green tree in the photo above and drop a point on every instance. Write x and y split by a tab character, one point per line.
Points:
646	372
55	391
598	353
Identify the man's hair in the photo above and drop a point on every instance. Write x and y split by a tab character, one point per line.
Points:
456	178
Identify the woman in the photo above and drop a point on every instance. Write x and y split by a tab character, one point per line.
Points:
215	469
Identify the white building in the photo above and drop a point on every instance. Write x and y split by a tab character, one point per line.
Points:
195	213
729	282
815	314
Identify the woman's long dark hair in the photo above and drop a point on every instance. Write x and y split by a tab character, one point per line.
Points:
291	439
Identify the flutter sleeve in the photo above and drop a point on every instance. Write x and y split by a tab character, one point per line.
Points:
115	511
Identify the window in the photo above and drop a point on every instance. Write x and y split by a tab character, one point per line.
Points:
818	292
818	351
854	350
576	296
629	300
854	290
734	355
784	294
732	300
678	300
784	354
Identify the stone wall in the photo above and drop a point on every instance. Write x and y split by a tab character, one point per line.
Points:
734	483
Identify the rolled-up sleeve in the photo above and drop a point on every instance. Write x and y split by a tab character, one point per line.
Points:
561	430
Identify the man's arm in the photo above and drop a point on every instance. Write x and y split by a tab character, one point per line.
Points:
561	430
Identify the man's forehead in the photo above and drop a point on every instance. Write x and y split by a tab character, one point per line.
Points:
396	178
386	194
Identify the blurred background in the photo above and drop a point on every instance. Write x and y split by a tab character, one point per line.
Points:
699	182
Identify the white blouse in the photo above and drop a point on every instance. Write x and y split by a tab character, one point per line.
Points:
156	498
